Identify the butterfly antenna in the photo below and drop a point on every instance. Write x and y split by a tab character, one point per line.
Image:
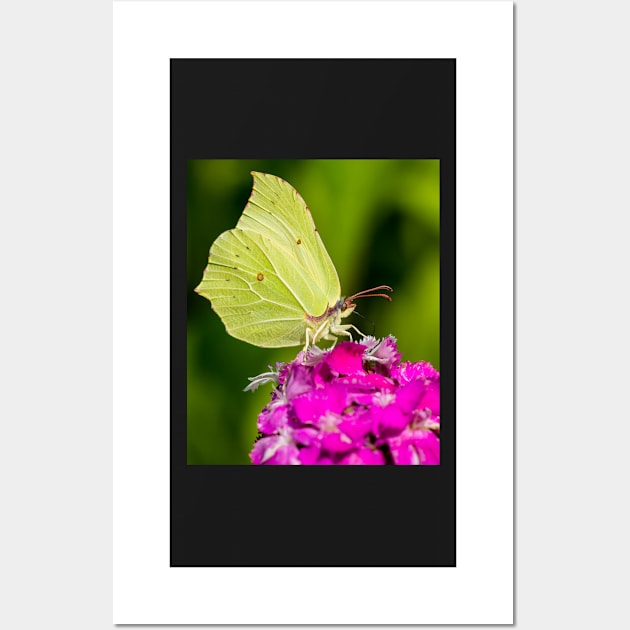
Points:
368	293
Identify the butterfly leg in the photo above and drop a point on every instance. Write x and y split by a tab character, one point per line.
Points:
306	345
320	333
355	328
345	330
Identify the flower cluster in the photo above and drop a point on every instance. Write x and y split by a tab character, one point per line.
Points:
353	404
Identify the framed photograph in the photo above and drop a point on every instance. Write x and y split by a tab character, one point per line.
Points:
260	189
387	216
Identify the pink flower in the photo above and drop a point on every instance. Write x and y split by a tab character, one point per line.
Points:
353	404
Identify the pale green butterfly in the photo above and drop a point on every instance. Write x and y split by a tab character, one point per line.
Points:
271	280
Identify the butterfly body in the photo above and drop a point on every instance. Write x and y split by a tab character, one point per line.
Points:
270	279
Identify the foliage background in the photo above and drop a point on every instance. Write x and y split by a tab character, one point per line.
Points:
379	220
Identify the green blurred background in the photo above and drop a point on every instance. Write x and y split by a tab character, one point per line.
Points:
379	221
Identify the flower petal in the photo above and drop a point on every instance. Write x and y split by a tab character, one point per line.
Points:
415	448
286	455
366	381
305	436
274	450
385	353
273	418
313	405
324	460
310	454
407	372
347	358
299	380
336	442
356	426
409	395
431	398
427	446
312	356
391	421
364	456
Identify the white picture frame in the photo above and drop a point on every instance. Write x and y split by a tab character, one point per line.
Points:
479	35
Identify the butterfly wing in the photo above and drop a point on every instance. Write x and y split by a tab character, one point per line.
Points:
272	270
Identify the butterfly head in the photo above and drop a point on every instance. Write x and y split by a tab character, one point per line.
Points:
345	308
328	325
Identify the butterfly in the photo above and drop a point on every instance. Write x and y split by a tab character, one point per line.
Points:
271	280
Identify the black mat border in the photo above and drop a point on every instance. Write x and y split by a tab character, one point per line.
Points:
300	109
